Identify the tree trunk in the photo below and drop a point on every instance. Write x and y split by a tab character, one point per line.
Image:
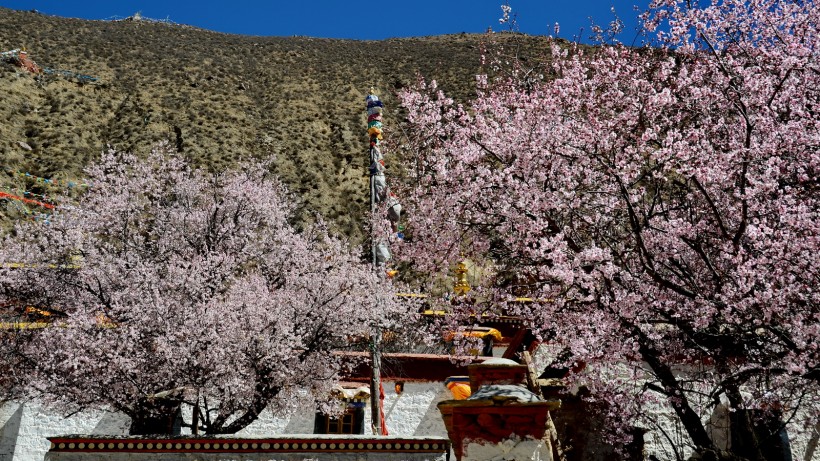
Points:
157	416
688	417
263	396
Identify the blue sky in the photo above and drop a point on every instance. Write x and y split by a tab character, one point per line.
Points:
355	19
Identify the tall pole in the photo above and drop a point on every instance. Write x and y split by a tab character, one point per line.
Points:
375	344
376	382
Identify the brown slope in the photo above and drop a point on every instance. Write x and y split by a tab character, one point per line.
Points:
220	97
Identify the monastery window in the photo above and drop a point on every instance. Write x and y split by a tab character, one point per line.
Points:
350	422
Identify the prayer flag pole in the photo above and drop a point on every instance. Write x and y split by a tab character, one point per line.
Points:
374	109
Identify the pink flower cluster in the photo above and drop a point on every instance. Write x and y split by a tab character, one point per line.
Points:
174	278
665	201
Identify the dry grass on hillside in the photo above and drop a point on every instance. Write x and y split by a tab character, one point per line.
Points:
218	97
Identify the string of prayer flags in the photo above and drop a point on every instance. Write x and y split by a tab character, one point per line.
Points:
47	181
379	188
29	201
27	194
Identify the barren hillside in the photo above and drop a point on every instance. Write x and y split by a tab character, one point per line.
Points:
218	97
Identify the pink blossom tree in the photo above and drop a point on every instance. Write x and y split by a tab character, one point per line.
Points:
182	283
661	202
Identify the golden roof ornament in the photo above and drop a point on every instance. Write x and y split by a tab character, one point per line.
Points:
462	286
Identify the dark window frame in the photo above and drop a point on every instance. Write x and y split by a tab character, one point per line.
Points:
350	422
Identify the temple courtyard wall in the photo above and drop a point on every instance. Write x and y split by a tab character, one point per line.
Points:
24	427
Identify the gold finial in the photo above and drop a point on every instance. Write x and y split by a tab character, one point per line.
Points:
462	286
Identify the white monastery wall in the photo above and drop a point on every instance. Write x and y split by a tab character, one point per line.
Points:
25	426
509	450
414	412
